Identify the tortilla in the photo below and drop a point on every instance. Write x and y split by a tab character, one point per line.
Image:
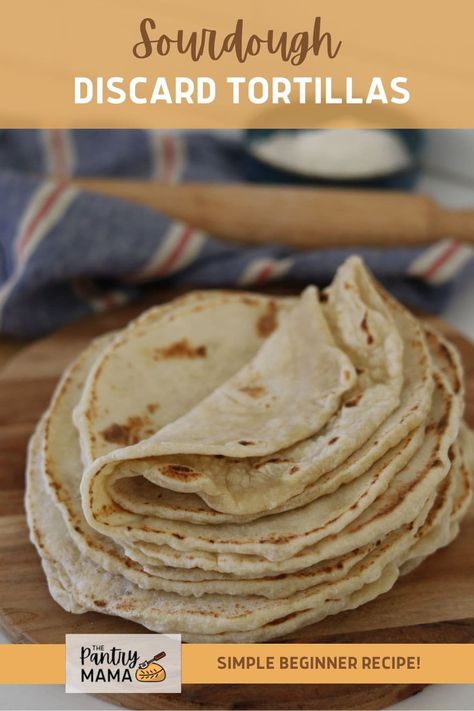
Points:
138	495
184	458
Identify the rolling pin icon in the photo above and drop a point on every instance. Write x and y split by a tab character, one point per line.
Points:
151	671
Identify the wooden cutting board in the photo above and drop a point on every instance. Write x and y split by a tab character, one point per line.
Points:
434	604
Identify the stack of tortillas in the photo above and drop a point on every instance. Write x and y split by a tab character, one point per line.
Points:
233	466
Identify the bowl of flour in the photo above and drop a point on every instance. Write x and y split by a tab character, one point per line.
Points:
379	157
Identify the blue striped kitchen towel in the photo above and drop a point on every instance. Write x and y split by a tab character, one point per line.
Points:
65	253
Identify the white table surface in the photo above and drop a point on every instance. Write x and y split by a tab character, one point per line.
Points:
449	177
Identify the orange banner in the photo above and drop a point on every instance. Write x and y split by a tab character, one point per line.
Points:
32	663
328	664
188	64
274	664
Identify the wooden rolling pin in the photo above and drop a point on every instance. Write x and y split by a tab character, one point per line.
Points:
304	217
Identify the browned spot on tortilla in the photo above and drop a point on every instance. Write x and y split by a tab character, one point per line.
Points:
278	540
442	423
347	374
117	434
446	354
100	603
180	349
152	407
38	536
282	619
253	390
333	440
365	327
268	321
353	401
125	605
179	471
125	433
111	508
245	443
323	297
359	371
294	469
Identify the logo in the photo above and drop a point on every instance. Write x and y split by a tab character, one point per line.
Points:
123	663
151	670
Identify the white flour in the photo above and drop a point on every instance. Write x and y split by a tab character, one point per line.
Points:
336	154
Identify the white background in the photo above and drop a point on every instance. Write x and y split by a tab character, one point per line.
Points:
448	176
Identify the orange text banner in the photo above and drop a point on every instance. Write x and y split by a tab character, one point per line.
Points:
328	664
274	664
188	64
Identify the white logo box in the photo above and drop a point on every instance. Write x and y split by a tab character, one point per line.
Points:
123	663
